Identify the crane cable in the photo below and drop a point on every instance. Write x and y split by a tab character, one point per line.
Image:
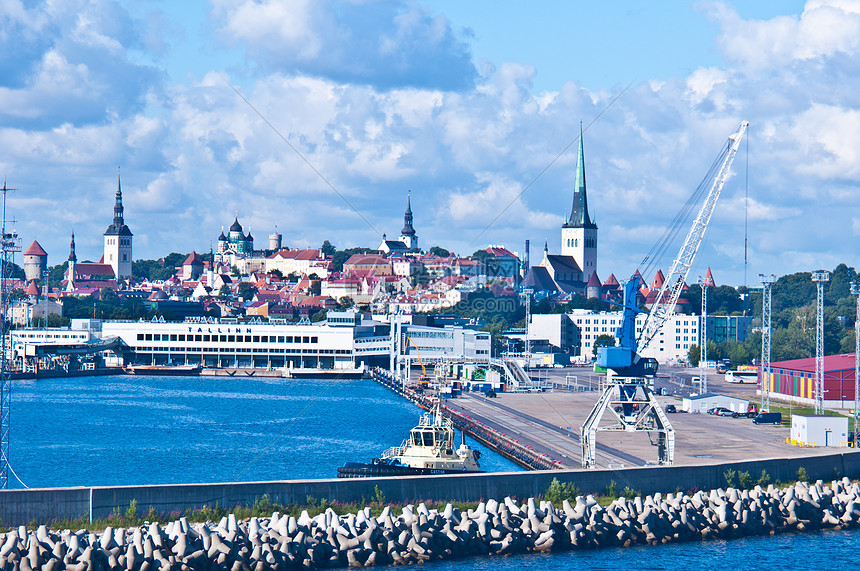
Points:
657	254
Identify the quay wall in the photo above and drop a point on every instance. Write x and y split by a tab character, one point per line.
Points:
20	507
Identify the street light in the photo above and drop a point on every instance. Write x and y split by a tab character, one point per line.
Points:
855	290
819	277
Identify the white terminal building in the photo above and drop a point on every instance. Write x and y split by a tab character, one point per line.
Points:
576	332
345	340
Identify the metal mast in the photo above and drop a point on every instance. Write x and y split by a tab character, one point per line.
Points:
8	246
527	346
855	290
704	356
819	278
767	281
664	306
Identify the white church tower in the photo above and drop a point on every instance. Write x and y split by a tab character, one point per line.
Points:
579	232
118	238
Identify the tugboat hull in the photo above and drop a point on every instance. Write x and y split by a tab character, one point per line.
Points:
382	470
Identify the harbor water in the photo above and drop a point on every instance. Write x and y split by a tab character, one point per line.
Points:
129	430
133	430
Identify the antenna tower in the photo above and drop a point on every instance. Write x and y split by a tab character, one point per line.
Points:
8	246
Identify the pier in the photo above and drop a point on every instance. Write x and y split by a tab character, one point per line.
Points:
541	430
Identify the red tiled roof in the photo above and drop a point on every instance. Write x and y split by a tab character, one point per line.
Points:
709	279
593	281
35	250
32	289
193	258
87	269
499	252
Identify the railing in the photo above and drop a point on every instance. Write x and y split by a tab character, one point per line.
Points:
525	457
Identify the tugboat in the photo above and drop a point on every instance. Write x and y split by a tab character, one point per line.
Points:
428	450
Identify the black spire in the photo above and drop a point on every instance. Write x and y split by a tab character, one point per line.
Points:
579	213
118	228
72	257
117	207
408	230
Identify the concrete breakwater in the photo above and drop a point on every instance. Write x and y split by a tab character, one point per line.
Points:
489	437
420	534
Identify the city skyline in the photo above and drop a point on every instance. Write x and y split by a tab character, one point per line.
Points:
437	103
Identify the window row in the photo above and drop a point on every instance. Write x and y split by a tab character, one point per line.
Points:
227	338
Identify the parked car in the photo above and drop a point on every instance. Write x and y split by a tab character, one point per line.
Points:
768	418
671	408
721	411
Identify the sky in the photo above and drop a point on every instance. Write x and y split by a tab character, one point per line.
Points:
317	117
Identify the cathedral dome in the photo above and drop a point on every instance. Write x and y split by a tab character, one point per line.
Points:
236	227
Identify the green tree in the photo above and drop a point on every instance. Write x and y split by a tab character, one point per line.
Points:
603	340
345	302
339	257
224	292
694	354
327	248
247	291
441	252
319	316
108	295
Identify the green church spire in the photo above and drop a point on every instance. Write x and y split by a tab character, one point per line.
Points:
579	213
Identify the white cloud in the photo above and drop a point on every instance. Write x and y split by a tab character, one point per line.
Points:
824	29
400	42
192	154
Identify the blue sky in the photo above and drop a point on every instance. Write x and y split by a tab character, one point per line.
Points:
464	103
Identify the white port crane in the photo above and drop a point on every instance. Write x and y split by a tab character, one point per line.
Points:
627	393
664	307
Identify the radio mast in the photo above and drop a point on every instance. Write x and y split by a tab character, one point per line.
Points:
8	246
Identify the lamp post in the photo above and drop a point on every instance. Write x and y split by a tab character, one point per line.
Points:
819	277
703	372
855	290
767	282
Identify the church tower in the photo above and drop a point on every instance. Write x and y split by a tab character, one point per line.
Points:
579	232
118	240
407	235
73	259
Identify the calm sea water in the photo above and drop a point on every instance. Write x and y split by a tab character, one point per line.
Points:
128	430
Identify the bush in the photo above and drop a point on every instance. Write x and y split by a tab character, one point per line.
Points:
764	480
745	481
611	491
802	476
729	475
558	492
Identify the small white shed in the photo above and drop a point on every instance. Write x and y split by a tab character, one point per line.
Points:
702	403
819	430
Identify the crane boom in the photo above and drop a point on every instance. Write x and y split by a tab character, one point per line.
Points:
664	306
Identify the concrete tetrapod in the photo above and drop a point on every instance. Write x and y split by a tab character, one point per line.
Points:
283	542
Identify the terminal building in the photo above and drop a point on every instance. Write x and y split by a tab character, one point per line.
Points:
346	340
576	332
